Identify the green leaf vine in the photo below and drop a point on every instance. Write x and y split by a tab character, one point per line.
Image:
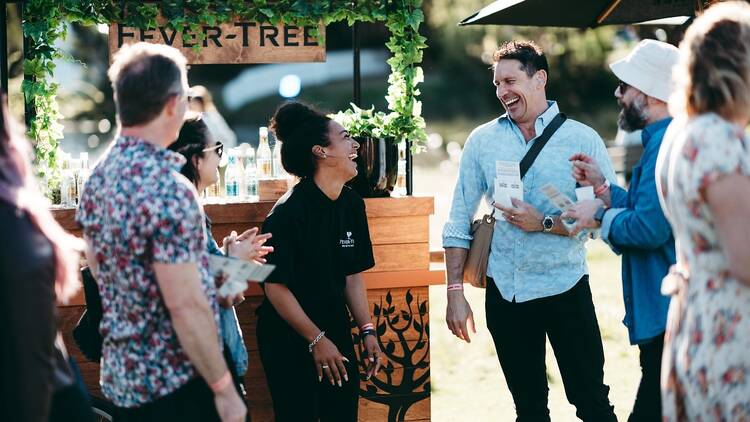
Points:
44	23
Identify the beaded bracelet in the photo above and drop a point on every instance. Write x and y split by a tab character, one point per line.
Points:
314	342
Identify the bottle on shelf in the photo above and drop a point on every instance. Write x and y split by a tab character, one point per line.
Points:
264	157
400	188
232	176
83	173
278	168
67	183
212	191
251	176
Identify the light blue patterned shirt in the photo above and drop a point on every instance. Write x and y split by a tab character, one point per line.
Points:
525	266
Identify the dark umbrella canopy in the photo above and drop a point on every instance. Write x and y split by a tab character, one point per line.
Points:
579	13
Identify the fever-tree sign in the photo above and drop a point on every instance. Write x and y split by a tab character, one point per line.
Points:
233	42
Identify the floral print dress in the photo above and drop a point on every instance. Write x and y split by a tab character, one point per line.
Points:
706	367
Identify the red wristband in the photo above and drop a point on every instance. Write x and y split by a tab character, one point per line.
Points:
458	286
602	188
221	383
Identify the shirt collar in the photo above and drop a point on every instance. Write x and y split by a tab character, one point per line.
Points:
650	130
543	120
163	156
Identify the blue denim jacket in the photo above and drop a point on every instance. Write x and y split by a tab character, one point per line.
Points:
525	266
636	227
230	327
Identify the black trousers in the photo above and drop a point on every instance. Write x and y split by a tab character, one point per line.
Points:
193	401
569	320
296	393
647	407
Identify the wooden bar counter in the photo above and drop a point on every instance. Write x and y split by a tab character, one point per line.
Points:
397	289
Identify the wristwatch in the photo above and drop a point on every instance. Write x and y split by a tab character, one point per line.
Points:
599	214
548	223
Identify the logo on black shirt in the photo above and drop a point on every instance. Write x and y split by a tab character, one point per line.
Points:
348	242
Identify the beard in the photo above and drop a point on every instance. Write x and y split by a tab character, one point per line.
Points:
633	116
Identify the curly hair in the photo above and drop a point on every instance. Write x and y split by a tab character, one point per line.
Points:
713	73
299	127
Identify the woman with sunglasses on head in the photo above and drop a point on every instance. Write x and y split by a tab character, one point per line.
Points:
322	246
203	154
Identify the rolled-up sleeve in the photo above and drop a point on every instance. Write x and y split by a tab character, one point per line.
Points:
469	190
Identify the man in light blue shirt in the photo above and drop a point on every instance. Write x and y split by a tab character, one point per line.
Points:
632	221
537	283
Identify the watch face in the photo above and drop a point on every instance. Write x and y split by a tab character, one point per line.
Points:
548	223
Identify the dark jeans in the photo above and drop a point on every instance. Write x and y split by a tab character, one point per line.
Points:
647	407
569	320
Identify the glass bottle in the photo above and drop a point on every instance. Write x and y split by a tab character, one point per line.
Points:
67	183
400	188
264	157
232	177
83	173
251	176
278	168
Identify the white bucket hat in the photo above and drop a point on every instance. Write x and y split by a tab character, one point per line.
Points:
649	68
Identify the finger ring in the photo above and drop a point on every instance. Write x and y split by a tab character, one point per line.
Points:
324	366
512	217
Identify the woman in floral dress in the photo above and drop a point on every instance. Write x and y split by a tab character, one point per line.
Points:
704	182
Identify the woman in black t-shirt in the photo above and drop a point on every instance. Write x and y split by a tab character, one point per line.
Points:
321	246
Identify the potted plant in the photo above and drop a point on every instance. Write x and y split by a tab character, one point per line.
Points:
377	157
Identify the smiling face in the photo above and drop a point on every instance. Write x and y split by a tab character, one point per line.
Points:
521	95
341	152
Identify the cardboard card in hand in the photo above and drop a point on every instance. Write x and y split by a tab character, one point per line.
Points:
238	273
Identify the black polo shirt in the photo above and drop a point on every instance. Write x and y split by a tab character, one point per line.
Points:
317	243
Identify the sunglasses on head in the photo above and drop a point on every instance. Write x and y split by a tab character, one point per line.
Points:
219	148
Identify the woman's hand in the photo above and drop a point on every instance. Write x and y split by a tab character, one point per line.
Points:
373	359
248	245
329	362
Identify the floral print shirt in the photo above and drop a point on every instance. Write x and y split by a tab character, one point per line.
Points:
706	367
136	210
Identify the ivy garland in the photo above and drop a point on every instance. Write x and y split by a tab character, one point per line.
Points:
44	23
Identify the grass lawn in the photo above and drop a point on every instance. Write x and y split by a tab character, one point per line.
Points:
468	385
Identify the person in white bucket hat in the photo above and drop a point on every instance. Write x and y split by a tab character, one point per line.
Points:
632	221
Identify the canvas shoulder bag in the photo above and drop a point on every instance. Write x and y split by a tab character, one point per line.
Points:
475	267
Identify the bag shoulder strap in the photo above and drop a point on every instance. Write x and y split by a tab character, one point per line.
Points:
540	142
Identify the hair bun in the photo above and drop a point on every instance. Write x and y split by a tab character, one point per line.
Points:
290	117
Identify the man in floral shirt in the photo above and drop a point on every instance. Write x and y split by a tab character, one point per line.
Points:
161	357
